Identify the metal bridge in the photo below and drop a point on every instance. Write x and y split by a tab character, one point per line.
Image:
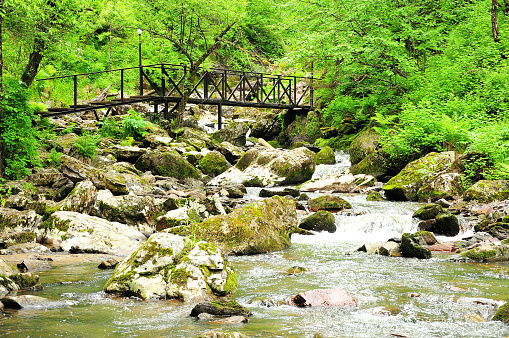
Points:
219	87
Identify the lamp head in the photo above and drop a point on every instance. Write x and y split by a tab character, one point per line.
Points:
139	31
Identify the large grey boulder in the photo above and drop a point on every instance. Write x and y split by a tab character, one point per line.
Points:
363	145
235	133
261	167
167	163
414	245
267	127
429	177
128	209
261	227
170	266
84	233
486	191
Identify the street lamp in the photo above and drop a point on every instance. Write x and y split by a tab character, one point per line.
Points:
139	31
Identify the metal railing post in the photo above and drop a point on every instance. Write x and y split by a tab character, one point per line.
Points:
163	82
295	90
122	85
75	91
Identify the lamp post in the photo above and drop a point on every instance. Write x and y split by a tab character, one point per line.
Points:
139	31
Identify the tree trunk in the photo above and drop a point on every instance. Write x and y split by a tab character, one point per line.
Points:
494	21
33	62
2	170
193	71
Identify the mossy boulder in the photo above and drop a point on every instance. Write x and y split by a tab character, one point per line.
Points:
488	253
374	196
81	199
502	313
363	145
325	156
270	166
267	127
446	224
428	211
235	133
373	164
414	245
328	202
213	164
127	209
486	191
321	220
499	230
167	163
171	266
261	227
425	178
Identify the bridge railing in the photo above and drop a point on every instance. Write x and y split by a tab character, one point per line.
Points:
211	85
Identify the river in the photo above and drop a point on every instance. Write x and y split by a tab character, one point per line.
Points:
396	297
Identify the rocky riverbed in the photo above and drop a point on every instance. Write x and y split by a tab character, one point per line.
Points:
174	210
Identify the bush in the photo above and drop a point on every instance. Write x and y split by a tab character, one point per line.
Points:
17	132
86	145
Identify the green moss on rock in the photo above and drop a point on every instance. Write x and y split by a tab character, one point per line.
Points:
328	203
325	156
214	163
429	211
414	245
502	313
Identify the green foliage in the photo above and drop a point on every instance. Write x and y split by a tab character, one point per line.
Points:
54	158
134	125
17	133
86	145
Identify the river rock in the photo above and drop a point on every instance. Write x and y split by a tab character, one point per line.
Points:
45	177
127	209
231	152
126	153
221	307
29	302
261	167
81	199
167	163
427	177
261	227
322	298
214	163
236	190
444	248
321	220
235	133
109	263
446	224
428	211
486	191
488	253
285	192
374	196
502	313
12	218
171	266
363	145
267	127
155	141
390	248
84	233
33	265
499	230
218	334
343	182
414	245
325	156
77	171
328	202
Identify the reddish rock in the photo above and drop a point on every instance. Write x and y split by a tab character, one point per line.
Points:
322	297
444	248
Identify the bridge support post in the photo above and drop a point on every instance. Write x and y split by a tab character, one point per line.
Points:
219	116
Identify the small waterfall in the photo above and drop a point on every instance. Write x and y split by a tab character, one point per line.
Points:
342	164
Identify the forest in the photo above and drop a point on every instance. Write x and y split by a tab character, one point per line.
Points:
427	75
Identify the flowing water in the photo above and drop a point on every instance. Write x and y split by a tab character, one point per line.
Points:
395	296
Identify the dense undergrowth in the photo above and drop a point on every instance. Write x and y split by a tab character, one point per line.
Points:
427	75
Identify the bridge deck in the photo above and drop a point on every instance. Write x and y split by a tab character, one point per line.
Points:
221	87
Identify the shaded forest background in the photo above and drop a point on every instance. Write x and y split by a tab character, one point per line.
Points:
427	75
